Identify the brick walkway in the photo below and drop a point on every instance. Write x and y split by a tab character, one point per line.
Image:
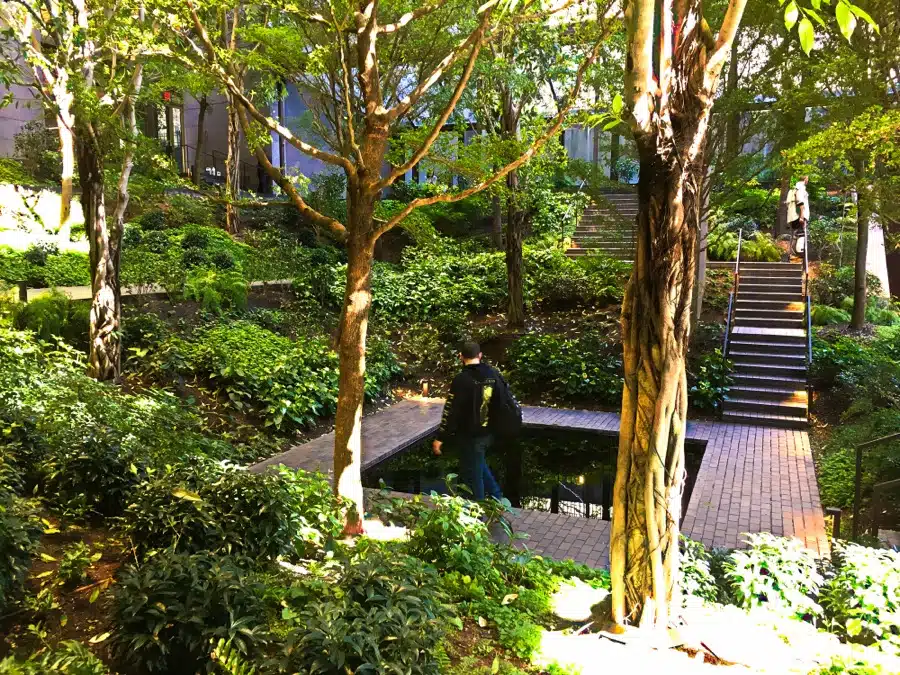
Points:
752	479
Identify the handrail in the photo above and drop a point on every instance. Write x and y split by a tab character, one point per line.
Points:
877	491
732	297
857	481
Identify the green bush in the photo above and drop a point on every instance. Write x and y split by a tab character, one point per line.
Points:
74	563
13	266
554	281
830	285
586	366
385	613
168	611
777	573
287	382
54	315
205	506
719	284
722	245
67	658
81	444
216	290
696	577
823	315
36	147
67	269
710	383
189	210
862	601
760	247
19	534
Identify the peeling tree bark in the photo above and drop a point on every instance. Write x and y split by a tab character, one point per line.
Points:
65	122
670	96
232	167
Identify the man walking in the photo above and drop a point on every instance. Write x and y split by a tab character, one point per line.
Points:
466	419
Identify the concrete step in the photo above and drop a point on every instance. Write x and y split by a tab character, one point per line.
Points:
769	369
769	380
760	278
788	408
769	357
760	286
771	265
766	393
777	305
765	419
738	344
751	333
762	322
756	295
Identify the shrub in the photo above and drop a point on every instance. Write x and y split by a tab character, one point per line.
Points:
760	248
153	220
384	614
777	573
67	269
862	601
823	315
37	254
864	374
168	610
696	578
719	284
587	366
54	315
831	285
722	245
82	444
710	383
286	382
216	290
14	268
37	148
556	281
184	209
205	506
19	534
75	561
67	658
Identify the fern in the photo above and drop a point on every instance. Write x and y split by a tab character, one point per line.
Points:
228	661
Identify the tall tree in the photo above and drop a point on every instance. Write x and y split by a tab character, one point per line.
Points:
102	47
673	66
366	69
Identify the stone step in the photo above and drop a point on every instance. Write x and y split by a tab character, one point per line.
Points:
765	419
763	322
789	408
597	251
779	305
758	286
771	357
763	392
773	265
776	370
771	268
792	335
739	344
756	295
769	380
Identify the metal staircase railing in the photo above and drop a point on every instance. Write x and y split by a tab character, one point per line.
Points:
732	299
877	491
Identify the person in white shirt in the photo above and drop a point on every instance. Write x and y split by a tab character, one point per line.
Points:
798	214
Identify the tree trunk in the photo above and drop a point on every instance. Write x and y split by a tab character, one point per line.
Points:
232	167
515	222
496	222
105	350
860	290
201	132
352	358
655	334
65	123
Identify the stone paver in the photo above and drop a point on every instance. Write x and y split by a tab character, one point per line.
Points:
752	478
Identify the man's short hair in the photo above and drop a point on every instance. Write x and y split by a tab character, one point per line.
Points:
470	349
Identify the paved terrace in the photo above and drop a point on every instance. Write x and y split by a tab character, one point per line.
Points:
752	479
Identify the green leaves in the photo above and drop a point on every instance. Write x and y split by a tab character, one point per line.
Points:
807	34
845	18
791	14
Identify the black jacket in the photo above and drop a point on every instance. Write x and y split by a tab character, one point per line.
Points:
468	404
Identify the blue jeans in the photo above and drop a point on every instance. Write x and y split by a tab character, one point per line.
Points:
474	470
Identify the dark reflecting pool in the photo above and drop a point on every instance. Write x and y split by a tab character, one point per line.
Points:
557	471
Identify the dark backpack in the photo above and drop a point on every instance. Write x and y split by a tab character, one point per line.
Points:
505	416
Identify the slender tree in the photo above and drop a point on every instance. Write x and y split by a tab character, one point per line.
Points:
366	70
672	71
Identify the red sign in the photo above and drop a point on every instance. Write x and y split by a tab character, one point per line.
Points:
167	96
